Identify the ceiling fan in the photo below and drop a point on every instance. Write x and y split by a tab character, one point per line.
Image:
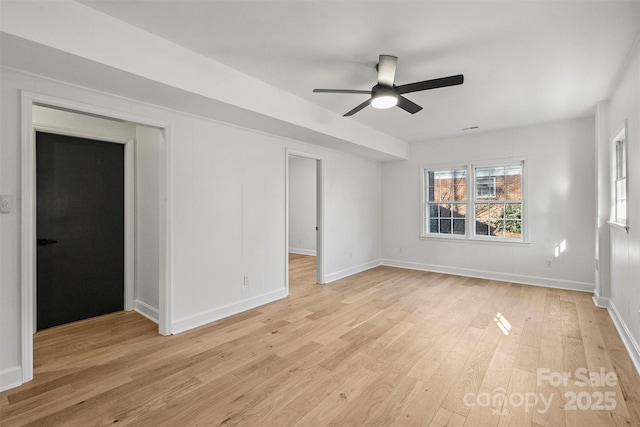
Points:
386	94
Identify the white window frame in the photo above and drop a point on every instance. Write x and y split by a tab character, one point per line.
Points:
619	216
424	220
471	200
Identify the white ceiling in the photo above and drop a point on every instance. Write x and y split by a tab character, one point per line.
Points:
524	62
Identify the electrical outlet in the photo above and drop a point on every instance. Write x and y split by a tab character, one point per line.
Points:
246	280
5	204
547	263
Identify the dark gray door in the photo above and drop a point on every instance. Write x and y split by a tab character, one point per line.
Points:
80	228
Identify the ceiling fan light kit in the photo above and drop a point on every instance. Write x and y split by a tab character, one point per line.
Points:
383	97
386	94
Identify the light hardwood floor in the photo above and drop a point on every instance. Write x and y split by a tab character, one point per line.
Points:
383	347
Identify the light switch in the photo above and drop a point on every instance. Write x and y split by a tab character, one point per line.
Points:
5	203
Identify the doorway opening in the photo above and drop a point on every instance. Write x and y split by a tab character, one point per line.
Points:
80	261
144	257
304	212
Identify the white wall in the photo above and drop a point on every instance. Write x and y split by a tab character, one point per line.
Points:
623	296
561	202
147	164
227	212
302	205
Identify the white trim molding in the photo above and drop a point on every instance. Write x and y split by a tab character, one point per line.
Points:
332	277
630	344
202	318
147	311
310	252
10	378
492	275
598	300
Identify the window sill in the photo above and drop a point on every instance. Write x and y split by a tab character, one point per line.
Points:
463	239
619	226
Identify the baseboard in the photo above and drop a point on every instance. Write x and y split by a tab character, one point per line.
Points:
147	311
491	275
10	378
299	251
209	316
599	301
625	335
332	277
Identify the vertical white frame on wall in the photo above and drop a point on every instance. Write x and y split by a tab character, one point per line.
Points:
620	135
28	214
320	279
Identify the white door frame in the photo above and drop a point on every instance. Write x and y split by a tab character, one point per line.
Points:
319	214
28	212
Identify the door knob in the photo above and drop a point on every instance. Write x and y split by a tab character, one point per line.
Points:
45	242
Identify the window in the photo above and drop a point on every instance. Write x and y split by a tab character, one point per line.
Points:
446	201
498	214
619	190
491	195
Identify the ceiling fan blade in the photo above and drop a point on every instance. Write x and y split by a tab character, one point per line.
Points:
358	108
408	106
431	84
367	92
387	70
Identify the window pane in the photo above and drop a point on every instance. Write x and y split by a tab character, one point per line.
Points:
483	172
459	210
511	223
433	226
497	229
485	187
482	229
482	219
433	211
496	212
514	187
445	226
445	211
513	229
459	226
513	177
482	211
460	185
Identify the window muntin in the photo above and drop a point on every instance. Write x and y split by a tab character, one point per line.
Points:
474	202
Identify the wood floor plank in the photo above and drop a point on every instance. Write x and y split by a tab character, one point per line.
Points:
386	346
